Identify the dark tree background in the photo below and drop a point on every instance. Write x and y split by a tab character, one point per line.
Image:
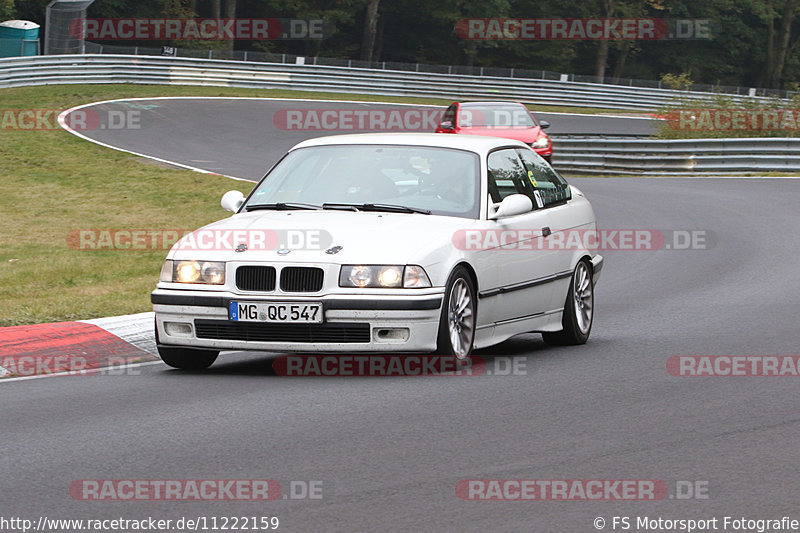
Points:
755	42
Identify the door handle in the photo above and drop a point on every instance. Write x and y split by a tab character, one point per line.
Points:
546	231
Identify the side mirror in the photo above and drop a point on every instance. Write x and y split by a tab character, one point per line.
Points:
514	204
544	124
446	125
232	201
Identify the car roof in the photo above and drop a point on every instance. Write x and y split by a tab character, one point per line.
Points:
474	143
491	103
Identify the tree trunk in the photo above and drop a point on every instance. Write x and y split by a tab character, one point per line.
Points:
782	45
370	30
602	50
216	9
379	42
619	68
230	12
601	59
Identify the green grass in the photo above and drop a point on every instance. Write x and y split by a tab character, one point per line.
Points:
53	183
687	119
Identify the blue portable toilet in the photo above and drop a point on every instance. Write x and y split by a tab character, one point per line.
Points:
19	38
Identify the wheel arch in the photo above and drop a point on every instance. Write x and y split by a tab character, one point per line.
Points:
472	275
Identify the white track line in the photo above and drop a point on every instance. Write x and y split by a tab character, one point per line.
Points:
63	124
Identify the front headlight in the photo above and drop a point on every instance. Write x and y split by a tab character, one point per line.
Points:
541	142
383	276
206	272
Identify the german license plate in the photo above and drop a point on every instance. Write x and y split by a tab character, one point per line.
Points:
310	313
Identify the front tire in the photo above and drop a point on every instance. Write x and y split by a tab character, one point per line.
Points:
187	358
457	323
578	309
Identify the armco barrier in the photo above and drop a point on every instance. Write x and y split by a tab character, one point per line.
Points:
684	156
43	70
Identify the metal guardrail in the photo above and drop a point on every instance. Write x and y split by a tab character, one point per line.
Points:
499	72
572	154
191	71
681	156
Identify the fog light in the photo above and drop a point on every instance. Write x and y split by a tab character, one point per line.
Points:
392	334
178	329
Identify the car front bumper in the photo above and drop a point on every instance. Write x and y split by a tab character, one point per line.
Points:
370	323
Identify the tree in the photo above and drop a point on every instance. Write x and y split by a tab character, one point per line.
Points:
6	10
370	31
230	12
601	59
779	31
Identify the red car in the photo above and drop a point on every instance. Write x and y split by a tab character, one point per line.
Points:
510	120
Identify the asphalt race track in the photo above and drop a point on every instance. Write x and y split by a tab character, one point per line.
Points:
390	451
243	137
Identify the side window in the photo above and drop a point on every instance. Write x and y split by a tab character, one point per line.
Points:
449	115
549	184
507	176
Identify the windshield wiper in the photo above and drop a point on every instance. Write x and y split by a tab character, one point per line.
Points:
342	207
389	208
394	208
281	206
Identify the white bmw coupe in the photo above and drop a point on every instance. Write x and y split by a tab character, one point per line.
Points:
398	242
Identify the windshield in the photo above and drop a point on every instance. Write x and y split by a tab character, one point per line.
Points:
441	181
495	116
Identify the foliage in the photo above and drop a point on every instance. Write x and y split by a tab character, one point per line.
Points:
753	43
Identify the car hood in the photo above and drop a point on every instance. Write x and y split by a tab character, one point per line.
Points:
310	236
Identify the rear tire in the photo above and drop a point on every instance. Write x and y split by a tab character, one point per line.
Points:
186	358
457	323
578	309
